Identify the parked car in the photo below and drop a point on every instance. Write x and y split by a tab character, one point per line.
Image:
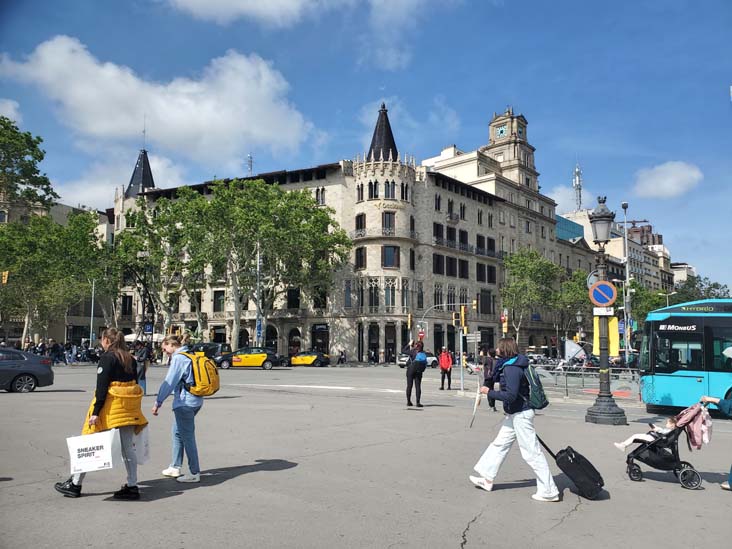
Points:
432	361
211	350
310	358
249	357
22	372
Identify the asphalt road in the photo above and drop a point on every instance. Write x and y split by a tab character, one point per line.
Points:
333	458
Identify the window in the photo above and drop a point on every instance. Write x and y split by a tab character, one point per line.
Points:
359	192
490	220
480	272
412	261
390	189
721	337
405	293
406	192
420	296
513	220
451	298
528	227
438	231
542	210
464	268
373	190
412	225
401	191
490	272
438	264
373	294
502	217
451	266
347	294
320	298
486	305
439	303
293	298
438	203
390	294
543	231
451	234
361	222
361	289
480	217
678	351
127	305
528	204
480	242
462	211
219	301
450	205
390	257
173	302
388	222
491	242
361	258
3	216
503	243
463	296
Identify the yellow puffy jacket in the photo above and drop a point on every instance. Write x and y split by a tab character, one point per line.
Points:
123	406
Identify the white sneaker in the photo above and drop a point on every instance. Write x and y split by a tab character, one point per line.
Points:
481	482
619	446
537	497
173	472
190	478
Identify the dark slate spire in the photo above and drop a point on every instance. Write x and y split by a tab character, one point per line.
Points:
383	140
142	178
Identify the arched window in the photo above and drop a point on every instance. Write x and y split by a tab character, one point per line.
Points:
3	217
376	189
401	194
317	196
438	202
393	189
371	190
359	192
406	192
322	196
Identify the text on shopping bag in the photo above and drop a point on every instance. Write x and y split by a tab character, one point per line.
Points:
94	452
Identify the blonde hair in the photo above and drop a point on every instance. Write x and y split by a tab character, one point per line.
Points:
508	347
118	347
177	340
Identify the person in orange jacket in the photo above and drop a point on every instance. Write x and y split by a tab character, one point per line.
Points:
445	361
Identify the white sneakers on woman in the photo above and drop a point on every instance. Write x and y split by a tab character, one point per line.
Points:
190	478
481	482
173	472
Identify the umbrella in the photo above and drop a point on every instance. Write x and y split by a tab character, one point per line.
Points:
476	404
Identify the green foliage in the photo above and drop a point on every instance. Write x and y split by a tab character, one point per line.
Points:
643	301
571	298
20	178
696	288
530	280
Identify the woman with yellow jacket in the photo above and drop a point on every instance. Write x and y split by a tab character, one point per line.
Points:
117	404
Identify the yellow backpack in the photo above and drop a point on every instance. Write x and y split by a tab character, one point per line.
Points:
205	375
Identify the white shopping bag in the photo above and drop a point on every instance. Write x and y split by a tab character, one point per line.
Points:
94	452
141	442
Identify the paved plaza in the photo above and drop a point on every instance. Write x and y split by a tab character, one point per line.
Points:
332	457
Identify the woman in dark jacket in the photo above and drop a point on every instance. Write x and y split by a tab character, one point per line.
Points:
518	425
415	368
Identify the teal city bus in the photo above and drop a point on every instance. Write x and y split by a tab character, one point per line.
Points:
686	352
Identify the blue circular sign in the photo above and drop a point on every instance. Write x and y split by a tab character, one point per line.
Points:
603	293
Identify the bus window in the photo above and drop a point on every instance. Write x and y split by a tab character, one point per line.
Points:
721	348
678	352
644	360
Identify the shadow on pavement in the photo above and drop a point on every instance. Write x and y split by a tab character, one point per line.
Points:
563	482
221	397
61	390
162	488
511	485
5	479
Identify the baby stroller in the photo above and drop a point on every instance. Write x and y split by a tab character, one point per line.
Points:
663	452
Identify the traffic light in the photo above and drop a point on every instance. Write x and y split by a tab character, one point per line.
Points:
6	274
463	311
475	305
409	321
455	318
504	324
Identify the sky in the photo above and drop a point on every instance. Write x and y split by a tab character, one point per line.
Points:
638	92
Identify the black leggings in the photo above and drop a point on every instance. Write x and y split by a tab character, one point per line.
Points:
448	374
414	376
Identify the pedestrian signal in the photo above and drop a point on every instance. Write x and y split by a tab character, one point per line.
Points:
455	318
6	274
475	304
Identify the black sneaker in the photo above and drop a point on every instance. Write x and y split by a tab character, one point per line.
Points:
127	493
68	488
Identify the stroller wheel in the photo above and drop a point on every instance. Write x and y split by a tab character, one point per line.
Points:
634	472
689	477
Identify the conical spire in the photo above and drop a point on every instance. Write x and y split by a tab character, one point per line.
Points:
142	177
382	143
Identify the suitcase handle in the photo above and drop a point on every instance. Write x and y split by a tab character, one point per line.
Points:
546	447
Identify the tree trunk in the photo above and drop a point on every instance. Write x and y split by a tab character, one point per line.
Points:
26	325
236	298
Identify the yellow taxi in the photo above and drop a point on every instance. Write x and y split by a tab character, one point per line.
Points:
249	357
310	358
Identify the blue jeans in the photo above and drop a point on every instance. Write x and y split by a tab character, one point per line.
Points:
184	438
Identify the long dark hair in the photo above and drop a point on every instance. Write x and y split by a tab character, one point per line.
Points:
118	348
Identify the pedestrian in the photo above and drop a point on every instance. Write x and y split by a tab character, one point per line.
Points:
445	362
142	357
655	433
415	368
518	425
185	407
725	406
489	362
116	404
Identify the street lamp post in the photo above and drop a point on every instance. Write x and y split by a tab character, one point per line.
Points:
578	317
605	410
626	287
667	296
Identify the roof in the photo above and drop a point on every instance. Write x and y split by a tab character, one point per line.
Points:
382	142
142	178
460	184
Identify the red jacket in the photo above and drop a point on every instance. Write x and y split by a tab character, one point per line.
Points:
445	361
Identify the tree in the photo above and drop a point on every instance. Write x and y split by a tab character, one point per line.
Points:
570	299
20	179
529	285
696	288
643	301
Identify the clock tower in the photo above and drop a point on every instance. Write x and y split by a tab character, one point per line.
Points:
508	144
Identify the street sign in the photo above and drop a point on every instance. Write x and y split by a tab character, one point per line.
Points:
147	328
420	335
593	277
621	326
473	338
259	329
603	311
603	293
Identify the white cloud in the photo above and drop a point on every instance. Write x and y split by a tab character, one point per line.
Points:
565	198
279	13
667	180
444	118
238	102
11	109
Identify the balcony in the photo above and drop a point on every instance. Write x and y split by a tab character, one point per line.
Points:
486	253
385	231
452	217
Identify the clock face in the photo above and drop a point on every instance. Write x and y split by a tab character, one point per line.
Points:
501	131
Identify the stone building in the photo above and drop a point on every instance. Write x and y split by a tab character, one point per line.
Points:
426	239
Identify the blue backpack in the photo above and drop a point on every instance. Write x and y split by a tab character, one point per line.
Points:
420	357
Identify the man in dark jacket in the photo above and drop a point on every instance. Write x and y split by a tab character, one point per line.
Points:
518	425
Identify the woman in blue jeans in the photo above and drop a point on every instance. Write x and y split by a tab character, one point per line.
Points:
185	408
725	406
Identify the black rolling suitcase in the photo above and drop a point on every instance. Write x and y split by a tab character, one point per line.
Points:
580	471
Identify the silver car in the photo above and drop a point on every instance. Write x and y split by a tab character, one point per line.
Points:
22	372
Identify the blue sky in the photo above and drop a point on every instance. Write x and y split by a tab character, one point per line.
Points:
638	91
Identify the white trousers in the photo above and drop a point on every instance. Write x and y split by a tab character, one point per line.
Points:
519	427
